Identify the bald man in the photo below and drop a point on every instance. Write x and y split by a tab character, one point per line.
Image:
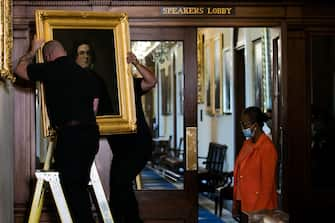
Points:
71	99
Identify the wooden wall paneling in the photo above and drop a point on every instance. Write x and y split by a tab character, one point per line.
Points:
147	13
24	129
296	122
283	116
320	200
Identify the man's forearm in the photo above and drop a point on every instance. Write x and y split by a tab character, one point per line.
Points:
21	67
25	60
145	72
148	76
149	79
28	57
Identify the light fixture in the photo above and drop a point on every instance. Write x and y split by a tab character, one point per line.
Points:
160	54
142	48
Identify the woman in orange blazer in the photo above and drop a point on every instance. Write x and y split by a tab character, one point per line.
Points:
255	166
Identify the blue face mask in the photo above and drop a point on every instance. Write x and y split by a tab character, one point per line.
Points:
248	133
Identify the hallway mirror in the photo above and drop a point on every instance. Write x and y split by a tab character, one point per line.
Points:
164	107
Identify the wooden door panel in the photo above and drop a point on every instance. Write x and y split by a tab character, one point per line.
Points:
165	206
239	95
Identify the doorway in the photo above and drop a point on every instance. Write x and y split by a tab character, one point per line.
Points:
171	111
163	107
239	67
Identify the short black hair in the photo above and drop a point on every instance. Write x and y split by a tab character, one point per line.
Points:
77	43
256	115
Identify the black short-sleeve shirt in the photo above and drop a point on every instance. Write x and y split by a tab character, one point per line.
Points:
141	141
108	105
138	103
69	90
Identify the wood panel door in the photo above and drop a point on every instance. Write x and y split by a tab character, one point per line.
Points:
175	205
320	119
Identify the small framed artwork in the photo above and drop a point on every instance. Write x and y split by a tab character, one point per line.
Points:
208	77
227	81
181	92
166	90
258	73
218	43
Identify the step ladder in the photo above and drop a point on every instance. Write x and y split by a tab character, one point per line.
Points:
52	178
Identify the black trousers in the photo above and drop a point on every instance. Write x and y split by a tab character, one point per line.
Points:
74	155
130	155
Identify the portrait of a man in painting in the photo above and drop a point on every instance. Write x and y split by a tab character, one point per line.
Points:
94	50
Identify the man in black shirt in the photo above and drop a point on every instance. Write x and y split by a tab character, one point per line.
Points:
130	153
71	99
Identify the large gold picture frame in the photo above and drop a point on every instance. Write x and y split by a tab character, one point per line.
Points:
6	40
69	26
201	75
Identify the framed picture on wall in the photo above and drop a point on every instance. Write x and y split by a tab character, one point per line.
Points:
208	78
166	90
181	92
258	73
218	43
227	81
108	35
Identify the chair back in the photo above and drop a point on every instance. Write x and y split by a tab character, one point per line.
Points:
215	158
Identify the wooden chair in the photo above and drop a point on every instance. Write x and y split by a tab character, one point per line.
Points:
213	177
161	149
224	191
174	160
215	158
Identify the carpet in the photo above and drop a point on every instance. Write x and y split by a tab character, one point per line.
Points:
152	180
204	216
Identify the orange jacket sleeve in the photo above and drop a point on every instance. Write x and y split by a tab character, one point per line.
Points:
267	196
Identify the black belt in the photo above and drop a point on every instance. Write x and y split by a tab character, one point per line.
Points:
73	123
